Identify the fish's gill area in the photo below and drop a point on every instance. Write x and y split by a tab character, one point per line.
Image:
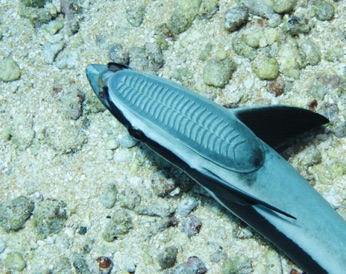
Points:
79	195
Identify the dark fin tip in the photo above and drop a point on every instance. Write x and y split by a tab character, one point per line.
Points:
275	125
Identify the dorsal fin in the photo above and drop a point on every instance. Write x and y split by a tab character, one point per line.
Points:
276	124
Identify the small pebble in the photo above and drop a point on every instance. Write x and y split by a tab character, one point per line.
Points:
243	233
311	53
67	59
138	59
241	48
236	265
266	68
37	16
261	8
184	12
278	86
14	213
129	198
50	51
168	257
324	10
340	130
295	25
289	59
253	37
186	205
109	195
208	8
120	223
105	264
135	15
155	56
14	261
155	207
82	230
194	265
192	225
54	26
119	55
235	18
217	73
128	141
49	217
284	6
161	185
80	264
112	143
72	103
9	70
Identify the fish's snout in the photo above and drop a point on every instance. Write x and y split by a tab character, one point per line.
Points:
93	73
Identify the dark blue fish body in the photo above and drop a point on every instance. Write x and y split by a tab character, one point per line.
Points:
229	153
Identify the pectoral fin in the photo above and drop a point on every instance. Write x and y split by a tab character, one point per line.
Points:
225	192
276	124
240	197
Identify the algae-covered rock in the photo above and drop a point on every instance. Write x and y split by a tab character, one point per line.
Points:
14	213
266	68
129	198
50	51
208	8
217	73
109	195
120	223
185	11
80	264
135	15
167	258
38	12
289	59
9	70
155	207
311	53
118	54
295	25
49	217
324	10
235	18
283	6
241	48
34	3
14	261
138	58
54	26
261	8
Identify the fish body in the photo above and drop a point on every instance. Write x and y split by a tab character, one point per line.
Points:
229	153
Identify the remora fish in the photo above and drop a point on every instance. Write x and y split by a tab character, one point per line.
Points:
229	153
